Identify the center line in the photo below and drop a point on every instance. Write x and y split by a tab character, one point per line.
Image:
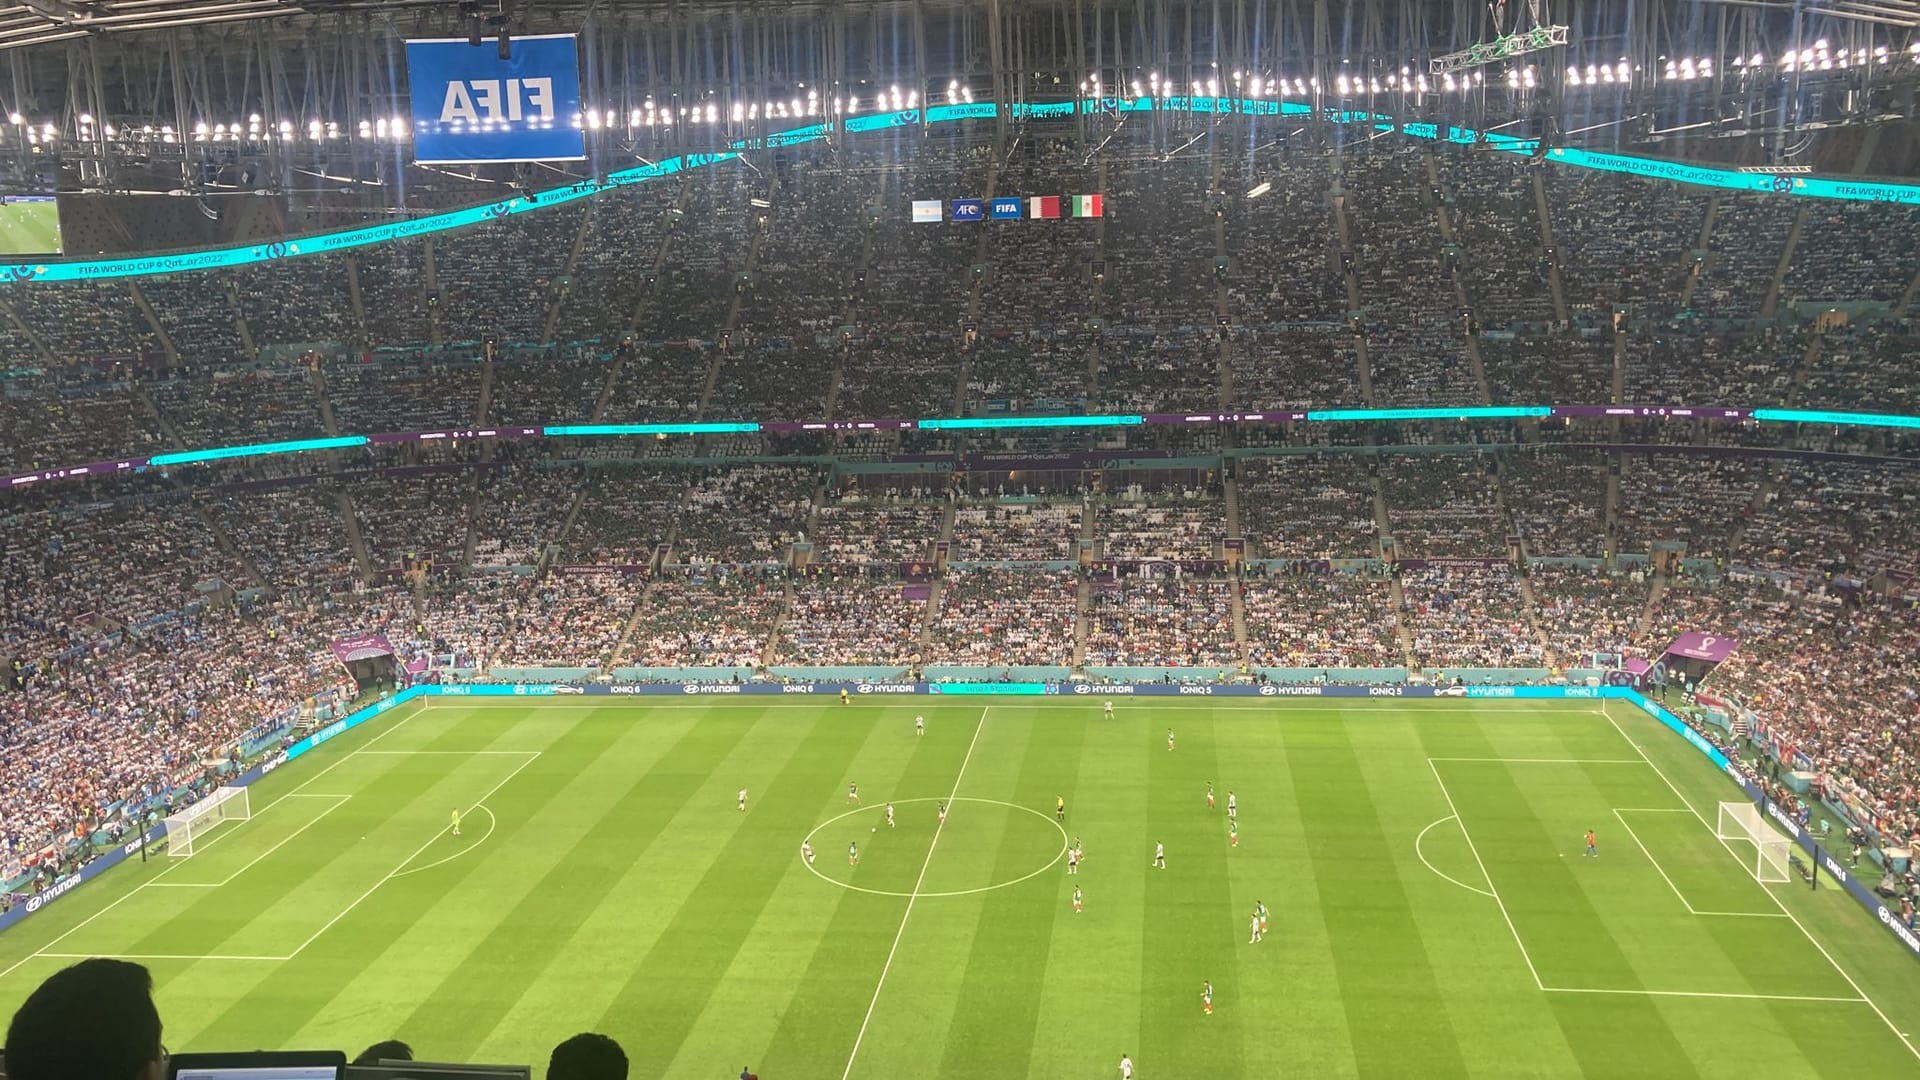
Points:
911	898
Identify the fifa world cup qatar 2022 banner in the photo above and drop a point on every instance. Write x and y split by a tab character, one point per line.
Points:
470	105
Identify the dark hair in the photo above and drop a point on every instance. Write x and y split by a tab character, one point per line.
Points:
587	1056
92	1021
390	1050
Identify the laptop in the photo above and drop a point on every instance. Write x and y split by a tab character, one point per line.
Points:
259	1065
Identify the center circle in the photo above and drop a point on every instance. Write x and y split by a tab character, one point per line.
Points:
830	837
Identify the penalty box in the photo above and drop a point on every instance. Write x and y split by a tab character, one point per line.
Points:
1663	909
268	887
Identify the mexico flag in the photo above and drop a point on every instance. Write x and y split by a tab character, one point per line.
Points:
1043	206
1085	205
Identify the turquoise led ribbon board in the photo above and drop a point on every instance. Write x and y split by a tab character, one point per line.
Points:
1800	186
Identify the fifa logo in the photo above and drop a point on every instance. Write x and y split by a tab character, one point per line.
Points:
494	101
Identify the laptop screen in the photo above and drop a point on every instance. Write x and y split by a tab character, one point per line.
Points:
297	1065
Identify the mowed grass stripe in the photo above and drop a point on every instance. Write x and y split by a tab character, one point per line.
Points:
996	1004
446	935
1090	1005
1832	917
825	1010
1497	1013
289	895
745	1009
1190	929
914	1016
1289	980
310	984
674	983
1396	1016
581	986
189	992
1544	896
475	995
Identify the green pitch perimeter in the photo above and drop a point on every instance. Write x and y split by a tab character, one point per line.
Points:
1432	910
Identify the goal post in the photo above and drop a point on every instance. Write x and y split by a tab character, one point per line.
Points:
185	828
1742	821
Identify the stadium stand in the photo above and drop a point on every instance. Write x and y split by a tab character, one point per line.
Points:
604	554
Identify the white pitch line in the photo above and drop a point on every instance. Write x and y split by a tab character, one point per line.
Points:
155	956
491	823
1546	760
532	756
911	897
449	753
1514	930
1702	994
339	801
295	793
1437	870
1684	902
1871	1004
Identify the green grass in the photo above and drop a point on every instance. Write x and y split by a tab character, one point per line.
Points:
29	227
609	884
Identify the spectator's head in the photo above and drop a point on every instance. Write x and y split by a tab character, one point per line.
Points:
92	1021
587	1056
390	1050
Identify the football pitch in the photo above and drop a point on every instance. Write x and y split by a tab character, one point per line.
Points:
1432	911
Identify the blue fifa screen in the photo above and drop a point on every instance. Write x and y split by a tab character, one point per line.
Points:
469	105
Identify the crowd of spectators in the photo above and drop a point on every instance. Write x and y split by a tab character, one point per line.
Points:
628	512
1173	527
303	302
851	619
1141	621
998	617
393	293
1558	501
1319	620
521	512
1468	617
500	279
1821	668
750	514
1015	531
1588	609
610	277
1443	506
882	529
411	391
221	405
136	605
1624	242
73	416
1747	242
1700	502
554	384
1318	507
710	618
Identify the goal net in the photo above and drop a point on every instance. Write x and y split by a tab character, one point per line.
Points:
185	828
1743	822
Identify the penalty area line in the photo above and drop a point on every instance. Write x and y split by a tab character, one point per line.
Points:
1808	934
1703	994
1423	857
1482	863
532	756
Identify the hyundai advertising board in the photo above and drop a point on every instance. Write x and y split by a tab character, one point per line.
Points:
470	106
